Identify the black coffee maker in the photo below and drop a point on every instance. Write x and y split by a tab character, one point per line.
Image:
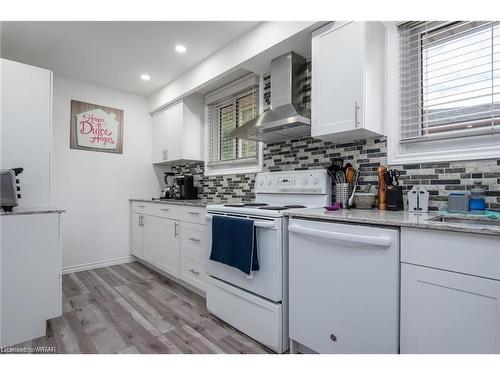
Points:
185	187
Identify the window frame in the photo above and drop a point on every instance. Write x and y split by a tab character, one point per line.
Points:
230	94
451	149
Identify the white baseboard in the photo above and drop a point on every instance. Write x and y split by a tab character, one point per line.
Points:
98	264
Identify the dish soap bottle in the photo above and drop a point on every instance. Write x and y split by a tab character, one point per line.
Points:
476	201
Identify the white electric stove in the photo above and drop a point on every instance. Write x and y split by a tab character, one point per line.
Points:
258	305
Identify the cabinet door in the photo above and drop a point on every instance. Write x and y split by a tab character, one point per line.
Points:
160	136
175	136
137	235
161	243
26	118
337	78
447	312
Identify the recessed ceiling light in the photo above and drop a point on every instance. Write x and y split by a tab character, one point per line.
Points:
145	77
180	48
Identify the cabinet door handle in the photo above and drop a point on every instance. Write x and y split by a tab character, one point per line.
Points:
175	229
193	271
193	213
141	221
194	239
333	337
356	108
164	209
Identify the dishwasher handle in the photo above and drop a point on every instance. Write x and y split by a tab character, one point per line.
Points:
346	237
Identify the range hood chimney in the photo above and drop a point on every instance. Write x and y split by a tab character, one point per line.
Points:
287	118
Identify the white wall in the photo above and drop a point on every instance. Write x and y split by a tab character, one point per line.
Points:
94	187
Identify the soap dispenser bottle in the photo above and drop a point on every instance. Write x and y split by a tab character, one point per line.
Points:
477	202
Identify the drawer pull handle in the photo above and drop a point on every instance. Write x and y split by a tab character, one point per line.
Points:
333	337
193	271
193	213
164	209
194	239
141	206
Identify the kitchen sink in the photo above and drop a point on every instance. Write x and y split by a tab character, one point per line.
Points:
466	220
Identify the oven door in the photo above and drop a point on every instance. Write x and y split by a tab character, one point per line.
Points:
267	282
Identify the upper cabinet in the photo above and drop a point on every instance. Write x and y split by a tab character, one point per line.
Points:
178	131
348	74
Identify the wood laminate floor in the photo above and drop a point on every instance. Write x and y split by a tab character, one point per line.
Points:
129	308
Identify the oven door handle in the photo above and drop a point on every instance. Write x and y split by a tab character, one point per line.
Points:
257	224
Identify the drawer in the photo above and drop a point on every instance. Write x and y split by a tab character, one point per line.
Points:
192	214
193	239
468	253
193	272
140	207
157	209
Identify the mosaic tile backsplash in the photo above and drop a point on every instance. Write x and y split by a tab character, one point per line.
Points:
365	155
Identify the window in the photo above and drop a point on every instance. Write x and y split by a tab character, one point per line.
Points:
449	89
227	109
228	115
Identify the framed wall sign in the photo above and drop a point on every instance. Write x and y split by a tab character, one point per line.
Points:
96	128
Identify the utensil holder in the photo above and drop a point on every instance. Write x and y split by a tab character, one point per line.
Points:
342	193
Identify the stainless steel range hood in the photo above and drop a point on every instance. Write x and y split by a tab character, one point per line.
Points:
287	118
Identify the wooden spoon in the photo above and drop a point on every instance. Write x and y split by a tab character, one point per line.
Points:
350	174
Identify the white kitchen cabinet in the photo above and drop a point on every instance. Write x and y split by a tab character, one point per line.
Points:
447	312
348	81
161	243
137	235
178	131
193	257
450	292
30	275
26	118
343	287
171	238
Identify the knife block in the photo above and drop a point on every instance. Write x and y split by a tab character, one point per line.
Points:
394	196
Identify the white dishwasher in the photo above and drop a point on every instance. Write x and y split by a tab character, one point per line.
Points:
344	287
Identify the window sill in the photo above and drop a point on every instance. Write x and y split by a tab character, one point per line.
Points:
459	154
226	169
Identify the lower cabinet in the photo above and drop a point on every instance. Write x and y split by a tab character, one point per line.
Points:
176	247
448	312
450	292
161	243
137	235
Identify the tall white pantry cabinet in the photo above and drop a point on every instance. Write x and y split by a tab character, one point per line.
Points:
30	252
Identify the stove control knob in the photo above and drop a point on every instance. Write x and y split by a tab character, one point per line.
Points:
305	181
315	181
269	182
261	182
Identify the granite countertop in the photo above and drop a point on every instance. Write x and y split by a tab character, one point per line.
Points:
31	211
179	202
393	218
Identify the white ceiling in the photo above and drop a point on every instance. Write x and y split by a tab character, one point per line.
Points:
114	54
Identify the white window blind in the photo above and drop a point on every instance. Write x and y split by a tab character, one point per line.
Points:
226	114
449	80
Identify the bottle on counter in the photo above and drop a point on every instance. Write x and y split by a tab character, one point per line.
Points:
477	202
